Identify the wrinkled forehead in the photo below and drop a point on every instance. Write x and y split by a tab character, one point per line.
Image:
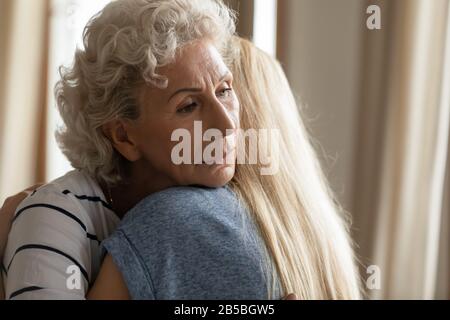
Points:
196	64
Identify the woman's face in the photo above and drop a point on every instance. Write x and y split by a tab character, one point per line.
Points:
200	88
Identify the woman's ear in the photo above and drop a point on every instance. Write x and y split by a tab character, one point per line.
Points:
120	134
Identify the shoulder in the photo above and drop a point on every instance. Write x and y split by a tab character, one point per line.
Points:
69	204
50	232
184	195
56	195
189	242
182	203
75	192
183	214
75	185
73	182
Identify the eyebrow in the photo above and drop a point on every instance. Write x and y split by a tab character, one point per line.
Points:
196	89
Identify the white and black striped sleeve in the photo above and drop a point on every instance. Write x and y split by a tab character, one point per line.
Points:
48	255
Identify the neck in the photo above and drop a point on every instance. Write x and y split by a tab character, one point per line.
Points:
137	187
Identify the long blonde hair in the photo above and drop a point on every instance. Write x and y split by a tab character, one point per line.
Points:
302	225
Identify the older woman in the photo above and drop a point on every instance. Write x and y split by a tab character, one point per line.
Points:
149	68
135	268
120	103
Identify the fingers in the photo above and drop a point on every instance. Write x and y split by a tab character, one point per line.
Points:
16	199
291	296
31	189
7	213
11	203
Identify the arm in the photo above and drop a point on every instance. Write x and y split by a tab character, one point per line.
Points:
6	215
109	284
43	245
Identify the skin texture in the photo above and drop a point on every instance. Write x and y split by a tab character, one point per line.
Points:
199	89
109	284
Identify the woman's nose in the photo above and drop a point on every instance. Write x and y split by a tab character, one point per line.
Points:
222	117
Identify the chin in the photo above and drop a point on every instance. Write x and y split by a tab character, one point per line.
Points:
217	179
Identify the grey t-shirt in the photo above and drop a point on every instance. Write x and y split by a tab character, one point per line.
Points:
191	243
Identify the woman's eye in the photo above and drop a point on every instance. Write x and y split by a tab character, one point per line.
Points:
188	109
225	93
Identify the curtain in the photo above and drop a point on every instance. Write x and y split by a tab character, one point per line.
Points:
402	214
23	60
392	97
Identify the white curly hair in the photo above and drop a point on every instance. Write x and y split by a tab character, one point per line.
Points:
123	45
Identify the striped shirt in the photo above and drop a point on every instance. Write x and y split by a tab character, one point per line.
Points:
54	247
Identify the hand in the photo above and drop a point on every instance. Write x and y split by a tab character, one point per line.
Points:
291	296
7	213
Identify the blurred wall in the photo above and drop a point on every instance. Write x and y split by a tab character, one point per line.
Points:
23	47
5	20
319	45
244	10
